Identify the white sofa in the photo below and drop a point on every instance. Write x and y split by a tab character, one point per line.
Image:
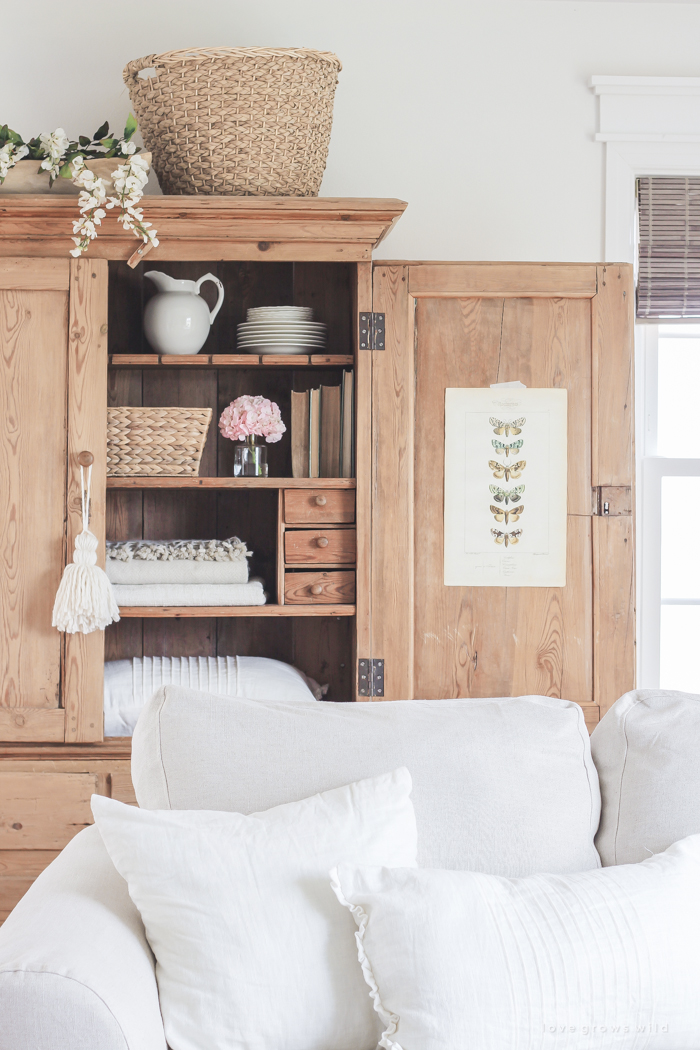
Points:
505	785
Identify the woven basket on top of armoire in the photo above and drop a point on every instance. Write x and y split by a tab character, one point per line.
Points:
251	121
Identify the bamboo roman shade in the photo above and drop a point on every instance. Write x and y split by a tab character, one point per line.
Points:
668	285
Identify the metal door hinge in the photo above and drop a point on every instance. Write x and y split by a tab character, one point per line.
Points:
370	677
612	501
372	331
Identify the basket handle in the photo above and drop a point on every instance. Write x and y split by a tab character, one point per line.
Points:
219	301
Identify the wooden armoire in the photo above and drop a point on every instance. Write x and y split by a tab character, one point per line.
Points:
383	625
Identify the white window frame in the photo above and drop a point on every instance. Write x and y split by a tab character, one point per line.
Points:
650	126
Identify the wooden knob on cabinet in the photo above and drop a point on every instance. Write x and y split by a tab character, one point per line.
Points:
322	541
320	501
86	459
317	589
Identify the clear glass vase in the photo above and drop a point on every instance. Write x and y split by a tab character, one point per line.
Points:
250	459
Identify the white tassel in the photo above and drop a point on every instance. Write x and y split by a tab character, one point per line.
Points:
85	600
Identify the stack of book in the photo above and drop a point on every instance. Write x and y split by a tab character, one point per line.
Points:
323	431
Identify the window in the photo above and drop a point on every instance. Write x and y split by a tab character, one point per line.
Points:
668	438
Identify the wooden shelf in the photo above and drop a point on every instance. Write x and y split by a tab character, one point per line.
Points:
231	360
229	483
184	611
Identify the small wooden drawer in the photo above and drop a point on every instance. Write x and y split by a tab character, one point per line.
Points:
43	811
319	588
319	547
317	506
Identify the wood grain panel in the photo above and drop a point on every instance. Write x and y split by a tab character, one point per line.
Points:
45	810
614	610
303	507
29	724
33	341
317	588
50	275
613	377
18	870
87	429
547	343
121	787
501	641
323	649
392	484
327	289
551	280
319	547
362	301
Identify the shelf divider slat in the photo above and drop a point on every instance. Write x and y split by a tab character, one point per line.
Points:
183	611
229	483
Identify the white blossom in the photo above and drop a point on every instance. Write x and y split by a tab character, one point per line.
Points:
9	155
127	148
54	145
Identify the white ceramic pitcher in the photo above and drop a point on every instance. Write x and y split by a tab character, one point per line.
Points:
177	320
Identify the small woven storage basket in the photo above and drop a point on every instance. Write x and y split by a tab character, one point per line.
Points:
250	121
152	441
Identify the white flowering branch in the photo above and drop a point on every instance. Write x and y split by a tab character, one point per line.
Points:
62	158
129	182
91	202
9	155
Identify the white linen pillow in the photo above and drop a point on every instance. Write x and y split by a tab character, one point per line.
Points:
599	959
129	684
252	951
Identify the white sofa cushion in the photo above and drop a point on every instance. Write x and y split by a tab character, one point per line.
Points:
647	751
606	959
76	970
252	950
503	785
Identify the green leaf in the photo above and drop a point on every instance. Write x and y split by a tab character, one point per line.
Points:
84	141
131	126
101	132
65	172
14	137
108	143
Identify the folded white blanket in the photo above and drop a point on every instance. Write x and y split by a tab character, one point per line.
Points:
187	572
231	549
130	683
190	593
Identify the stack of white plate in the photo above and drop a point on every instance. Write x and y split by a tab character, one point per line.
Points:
281	330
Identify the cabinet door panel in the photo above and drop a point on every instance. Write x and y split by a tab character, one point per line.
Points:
552	326
33	366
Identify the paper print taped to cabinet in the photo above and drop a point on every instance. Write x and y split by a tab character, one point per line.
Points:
505	488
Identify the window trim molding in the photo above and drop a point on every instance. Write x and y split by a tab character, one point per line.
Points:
646	131
650	126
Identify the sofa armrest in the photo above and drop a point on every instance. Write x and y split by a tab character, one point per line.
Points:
76	971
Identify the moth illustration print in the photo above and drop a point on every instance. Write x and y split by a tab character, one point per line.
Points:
499	427
507	470
506	538
506	495
505	514
501	449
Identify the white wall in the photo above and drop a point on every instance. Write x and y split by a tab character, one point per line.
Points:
477	112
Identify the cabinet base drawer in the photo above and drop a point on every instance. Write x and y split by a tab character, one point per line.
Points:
312	588
319	506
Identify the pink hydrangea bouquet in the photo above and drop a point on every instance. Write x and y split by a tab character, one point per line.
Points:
252	417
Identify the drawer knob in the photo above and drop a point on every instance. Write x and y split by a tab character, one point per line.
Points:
320	501
317	589
17	827
322	541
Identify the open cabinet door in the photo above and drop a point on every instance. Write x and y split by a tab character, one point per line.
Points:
53	376
471	325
